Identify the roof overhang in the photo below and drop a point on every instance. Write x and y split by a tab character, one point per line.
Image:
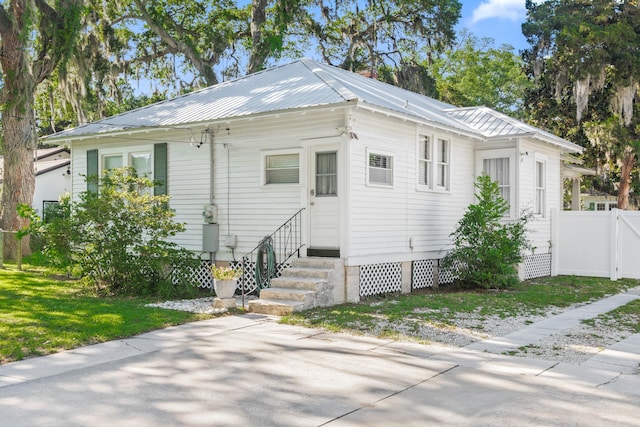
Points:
193	126
564	145
575	172
420	120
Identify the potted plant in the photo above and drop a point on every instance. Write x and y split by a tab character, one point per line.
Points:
225	281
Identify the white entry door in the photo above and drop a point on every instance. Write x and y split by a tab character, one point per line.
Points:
324	202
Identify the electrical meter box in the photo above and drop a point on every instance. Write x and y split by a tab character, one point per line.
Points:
210	214
210	237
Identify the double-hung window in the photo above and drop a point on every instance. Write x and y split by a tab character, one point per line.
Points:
442	164
111	161
380	169
281	168
498	169
434	163
148	161
540	178
425	162
499	166
141	162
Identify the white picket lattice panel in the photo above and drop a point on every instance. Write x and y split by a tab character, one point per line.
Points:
537	265
201	275
423	273
447	275
377	279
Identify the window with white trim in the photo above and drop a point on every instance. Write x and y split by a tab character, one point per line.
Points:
140	160
425	161
380	169
541	181
442	164
282	168
498	170
112	161
148	160
499	165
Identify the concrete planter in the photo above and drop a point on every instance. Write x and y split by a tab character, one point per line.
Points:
225	288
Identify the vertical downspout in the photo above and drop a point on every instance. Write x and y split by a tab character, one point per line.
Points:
519	160
212	195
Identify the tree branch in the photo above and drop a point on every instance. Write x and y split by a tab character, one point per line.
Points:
188	51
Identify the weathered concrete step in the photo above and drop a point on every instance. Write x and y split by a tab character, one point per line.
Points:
303	283
310	272
275	307
301	295
329	263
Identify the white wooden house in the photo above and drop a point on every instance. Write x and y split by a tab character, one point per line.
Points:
378	175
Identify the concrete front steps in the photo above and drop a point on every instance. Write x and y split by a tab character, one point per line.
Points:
308	283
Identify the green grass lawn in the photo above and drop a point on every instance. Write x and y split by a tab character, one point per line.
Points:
533	297
40	315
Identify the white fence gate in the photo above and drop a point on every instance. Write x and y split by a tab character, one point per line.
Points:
601	244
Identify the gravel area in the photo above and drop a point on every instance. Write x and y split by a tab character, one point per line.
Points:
574	345
199	305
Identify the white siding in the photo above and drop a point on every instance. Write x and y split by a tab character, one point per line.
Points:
188	176
379	224
539	226
249	209
383	220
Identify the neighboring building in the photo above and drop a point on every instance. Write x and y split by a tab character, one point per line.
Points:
53	175
604	202
382	174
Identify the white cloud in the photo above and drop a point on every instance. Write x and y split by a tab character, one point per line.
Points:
512	10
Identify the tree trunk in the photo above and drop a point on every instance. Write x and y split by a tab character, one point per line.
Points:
17	127
625	179
259	46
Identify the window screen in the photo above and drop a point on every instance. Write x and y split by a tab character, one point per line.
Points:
282	169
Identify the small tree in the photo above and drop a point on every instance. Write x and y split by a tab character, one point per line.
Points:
487	249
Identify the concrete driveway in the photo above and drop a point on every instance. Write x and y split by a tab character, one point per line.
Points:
251	371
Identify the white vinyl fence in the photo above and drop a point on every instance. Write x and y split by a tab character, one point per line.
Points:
601	244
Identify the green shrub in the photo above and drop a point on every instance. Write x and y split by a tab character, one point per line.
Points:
119	239
487	248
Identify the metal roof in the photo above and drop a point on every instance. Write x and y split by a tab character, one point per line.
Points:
302	84
299	84
492	124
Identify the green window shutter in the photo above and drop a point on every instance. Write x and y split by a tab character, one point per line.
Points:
160	168
92	171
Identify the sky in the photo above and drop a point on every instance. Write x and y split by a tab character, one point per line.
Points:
499	19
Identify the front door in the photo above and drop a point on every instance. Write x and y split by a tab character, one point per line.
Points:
324	205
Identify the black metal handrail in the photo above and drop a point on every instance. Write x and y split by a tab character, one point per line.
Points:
285	241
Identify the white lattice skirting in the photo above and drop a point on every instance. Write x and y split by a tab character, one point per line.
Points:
537	265
423	273
378	279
